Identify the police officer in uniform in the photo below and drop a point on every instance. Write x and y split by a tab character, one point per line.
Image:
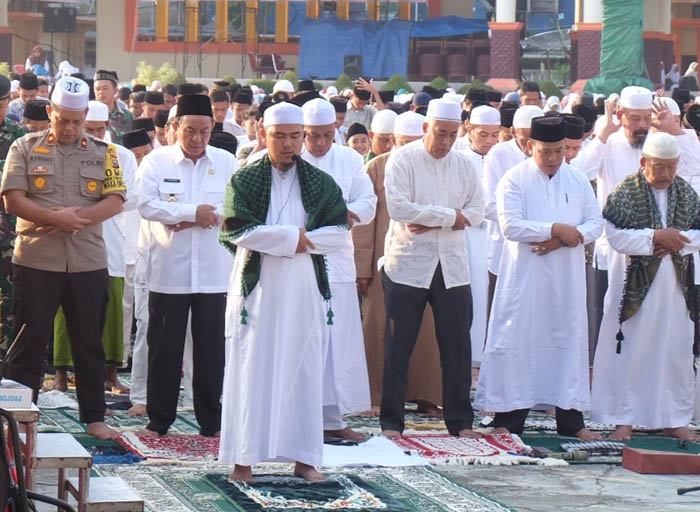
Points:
62	184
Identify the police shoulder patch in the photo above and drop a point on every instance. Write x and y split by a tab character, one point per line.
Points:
113	181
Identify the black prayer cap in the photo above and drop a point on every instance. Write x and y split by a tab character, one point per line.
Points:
103	74
306	85
302	97
680	96
507	114
479	103
434	92
154	98
692	118
170	89
35	110
139	88
588	113
475	93
4	87
28	81
161	118
548	129
264	105
510	104
386	96
493	96
339	103
194	105
588	99
574	126
136	139
356	129
397	107
362	94
145	123
223	140
138	96
186	88
124	93
552	113
217	96
243	95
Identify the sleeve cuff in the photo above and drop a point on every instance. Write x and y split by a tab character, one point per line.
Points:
189	212
449	221
289	248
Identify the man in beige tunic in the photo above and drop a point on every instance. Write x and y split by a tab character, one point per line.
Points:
424	374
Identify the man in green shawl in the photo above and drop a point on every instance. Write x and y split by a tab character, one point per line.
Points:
281	216
643	370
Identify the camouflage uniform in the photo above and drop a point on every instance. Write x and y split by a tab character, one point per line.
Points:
119	122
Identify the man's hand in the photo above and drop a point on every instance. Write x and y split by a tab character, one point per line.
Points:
352	218
303	242
361	83
362	285
461	222
610	126
68	220
206	216
664	120
569	235
48	229
417	229
542	248
180	226
668	241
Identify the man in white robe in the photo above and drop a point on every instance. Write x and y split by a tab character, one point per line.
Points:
537	344
346	383
281	216
643	370
483	128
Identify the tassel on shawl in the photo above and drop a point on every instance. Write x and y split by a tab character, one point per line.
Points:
619	338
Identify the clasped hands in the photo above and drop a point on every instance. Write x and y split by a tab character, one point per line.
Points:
461	222
668	241
206	217
563	235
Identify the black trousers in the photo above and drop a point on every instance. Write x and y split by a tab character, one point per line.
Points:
167	327
596	287
452	310
569	421
37	294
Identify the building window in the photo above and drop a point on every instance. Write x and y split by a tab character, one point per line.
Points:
90	48
147	22
177	18
266	19
696	11
207	20
236	21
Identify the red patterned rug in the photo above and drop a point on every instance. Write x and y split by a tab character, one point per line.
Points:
183	447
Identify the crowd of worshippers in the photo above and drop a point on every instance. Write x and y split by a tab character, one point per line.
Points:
218	239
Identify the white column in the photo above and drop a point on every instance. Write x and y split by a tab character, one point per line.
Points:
650	16
592	11
3	13
664	16
505	11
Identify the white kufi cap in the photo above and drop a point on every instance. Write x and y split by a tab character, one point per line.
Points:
318	112
97	111
454	97
636	97
71	93
329	92
661	145
283	113
172	113
409	124
383	121
485	115
444	110
284	86
671	105
524	115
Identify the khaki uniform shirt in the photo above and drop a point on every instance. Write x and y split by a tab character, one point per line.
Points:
59	176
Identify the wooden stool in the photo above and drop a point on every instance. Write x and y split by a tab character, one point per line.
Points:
107	494
29	418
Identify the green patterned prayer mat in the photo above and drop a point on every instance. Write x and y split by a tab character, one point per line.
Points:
185	489
67	420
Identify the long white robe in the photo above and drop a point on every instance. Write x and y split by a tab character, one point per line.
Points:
650	383
346	381
477	249
537	344
272	401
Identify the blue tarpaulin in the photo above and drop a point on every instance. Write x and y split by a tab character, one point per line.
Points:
384	46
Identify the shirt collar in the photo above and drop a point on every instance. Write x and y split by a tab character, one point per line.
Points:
180	155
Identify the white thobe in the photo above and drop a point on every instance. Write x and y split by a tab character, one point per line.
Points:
502	157
272	401
650	383
537	344
346	382
477	248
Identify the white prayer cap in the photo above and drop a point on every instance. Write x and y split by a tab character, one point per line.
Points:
485	115
444	110
318	112
614	96
636	97
14	86
329	91
451	96
172	112
671	105
284	86
661	145
285	113
383	121
97	111
71	93
552	101
451	90
524	115
409	124
156	85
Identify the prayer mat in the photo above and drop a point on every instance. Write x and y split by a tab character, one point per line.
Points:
490	450
106	451
67	420
186	489
182	447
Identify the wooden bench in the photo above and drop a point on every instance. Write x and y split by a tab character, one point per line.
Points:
28	418
107	494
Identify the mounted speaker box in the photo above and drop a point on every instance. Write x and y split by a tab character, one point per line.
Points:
60	19
352	66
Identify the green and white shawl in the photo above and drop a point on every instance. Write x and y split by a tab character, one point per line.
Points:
632	206
248	200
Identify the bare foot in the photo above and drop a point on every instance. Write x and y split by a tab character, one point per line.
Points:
110	412
148	433
500	430
346	433
242	474
60	380
308	473
682	433
373	412
621	433
137	410
391	434
469	434
428	408
100	430
586	435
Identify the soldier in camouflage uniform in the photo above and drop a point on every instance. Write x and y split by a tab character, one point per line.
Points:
9	132
106	92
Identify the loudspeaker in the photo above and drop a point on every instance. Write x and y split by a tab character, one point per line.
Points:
60	19
352	66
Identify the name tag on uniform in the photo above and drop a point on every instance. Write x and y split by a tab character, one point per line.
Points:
171	180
